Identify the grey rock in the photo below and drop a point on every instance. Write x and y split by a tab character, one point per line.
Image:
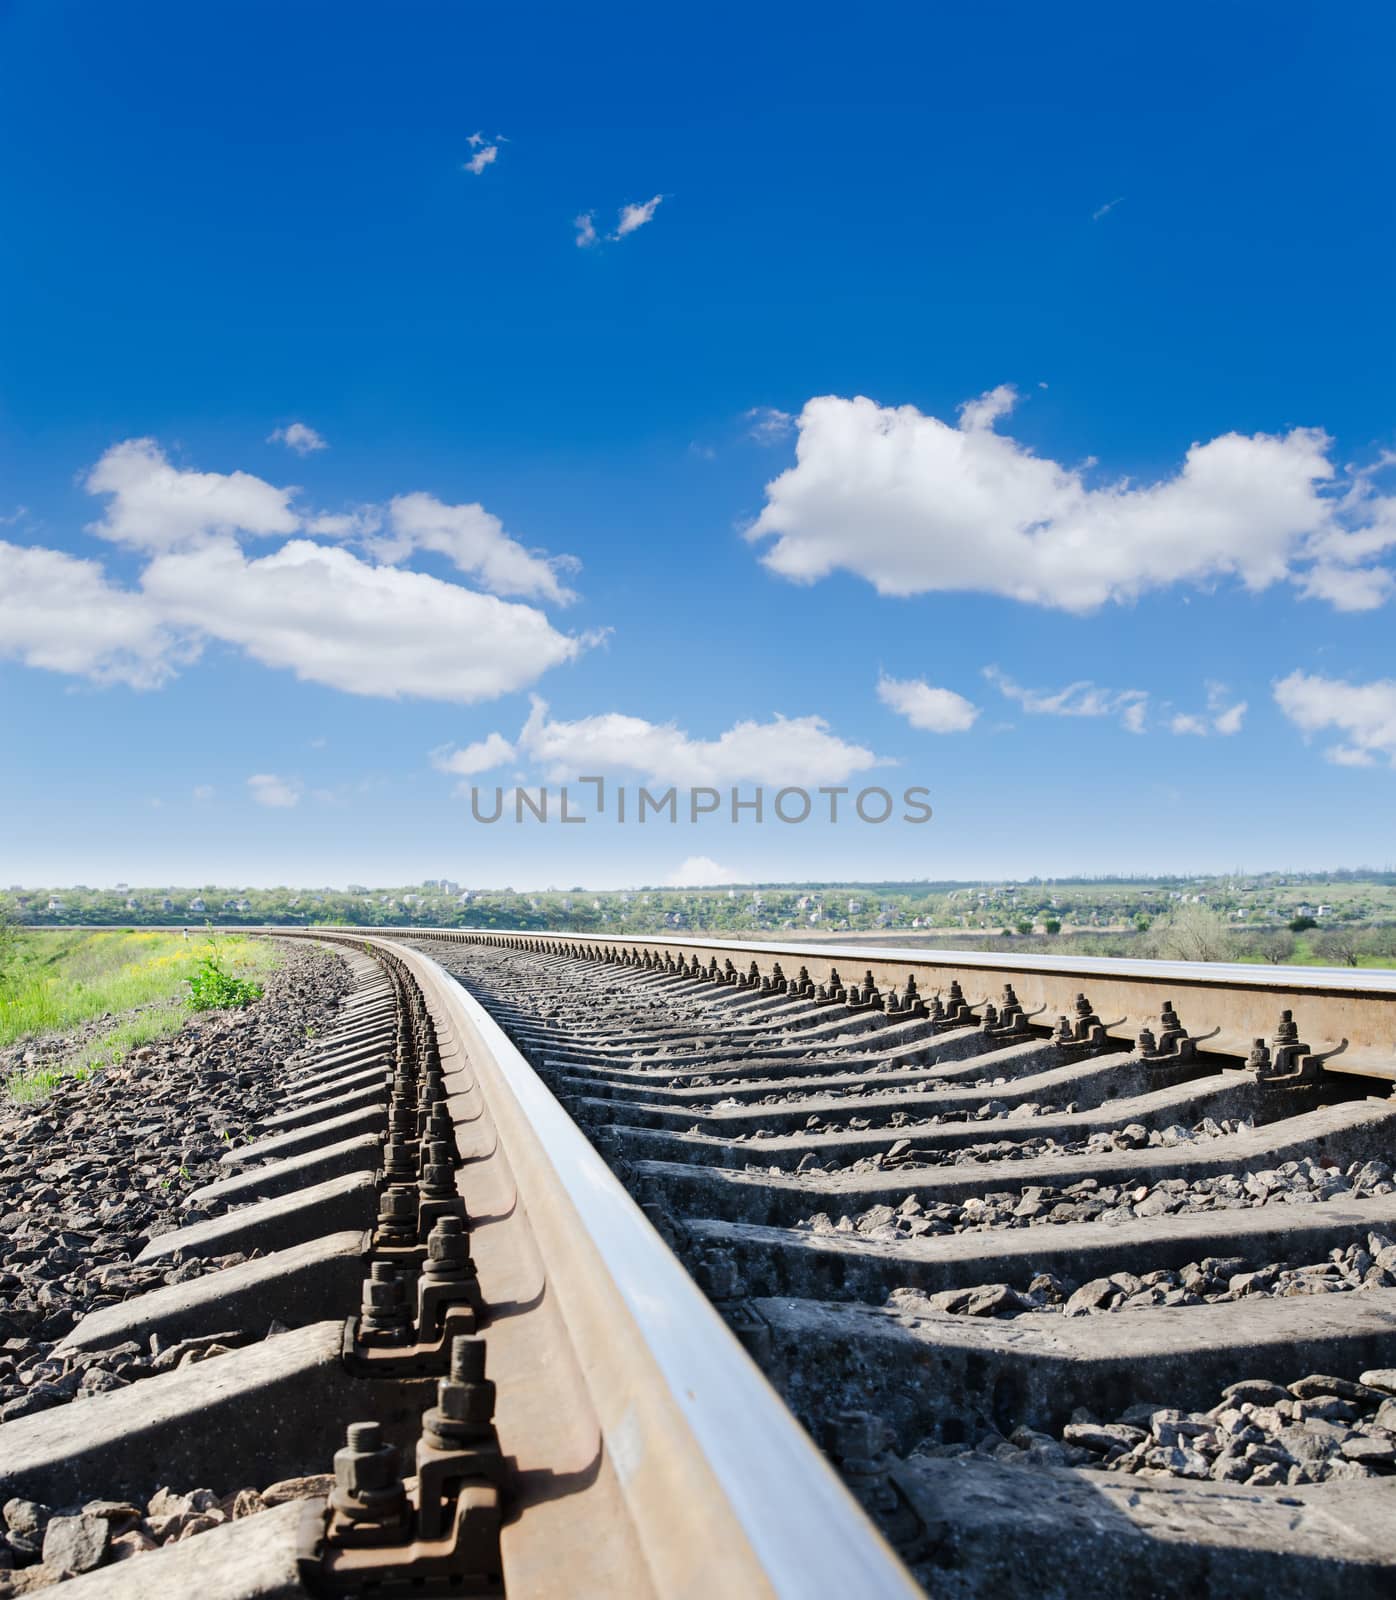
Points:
1104	1438
25	1521
1255	1391
75	1544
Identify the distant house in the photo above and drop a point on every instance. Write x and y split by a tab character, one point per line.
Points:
242	905
197	904
132	904
54	903
167	904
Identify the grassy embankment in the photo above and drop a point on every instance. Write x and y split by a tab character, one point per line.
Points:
54	981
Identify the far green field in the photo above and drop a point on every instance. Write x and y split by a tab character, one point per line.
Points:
52	981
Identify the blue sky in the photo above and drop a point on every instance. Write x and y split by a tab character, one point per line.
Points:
298	413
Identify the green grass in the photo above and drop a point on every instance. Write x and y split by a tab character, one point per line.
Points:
60	979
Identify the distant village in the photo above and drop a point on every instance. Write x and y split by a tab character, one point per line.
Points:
1035	907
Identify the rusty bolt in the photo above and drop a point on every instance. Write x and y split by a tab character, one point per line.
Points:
464	1400
397	1161
1147	1043
384	1306
367	1486
448	1252
437	1170
397	1211
858	1436
1288	1030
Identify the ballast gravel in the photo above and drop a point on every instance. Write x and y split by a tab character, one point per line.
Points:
91	1174
1305	1182
1260	1433
43	1545
1365	1263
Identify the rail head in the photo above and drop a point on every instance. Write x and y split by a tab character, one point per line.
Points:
721	1481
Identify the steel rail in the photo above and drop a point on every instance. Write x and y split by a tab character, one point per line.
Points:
723	1485
1345	1015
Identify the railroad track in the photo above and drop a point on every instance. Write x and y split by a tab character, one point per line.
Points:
1075	1268
1076	1272
452	1358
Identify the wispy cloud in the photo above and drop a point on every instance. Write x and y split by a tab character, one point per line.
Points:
1220	717
768	424
1080	699
300	437
629	220
1106	209
636	216
267	789
486	152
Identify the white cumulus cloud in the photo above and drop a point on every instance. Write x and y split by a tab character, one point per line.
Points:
799	751
1229	721
585	224
786	750
915	505
62	614
155	506
474	541
930	709
300	437
1363	713
267	789
334	619
699	872
363	626
492	751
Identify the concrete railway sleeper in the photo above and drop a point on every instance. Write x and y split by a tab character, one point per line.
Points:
1080	1272
418	1340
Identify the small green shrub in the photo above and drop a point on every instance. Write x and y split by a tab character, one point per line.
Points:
213	988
